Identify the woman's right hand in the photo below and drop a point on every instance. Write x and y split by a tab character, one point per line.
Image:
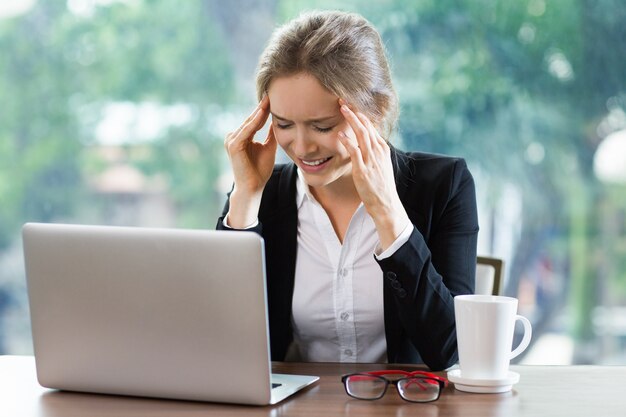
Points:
252	163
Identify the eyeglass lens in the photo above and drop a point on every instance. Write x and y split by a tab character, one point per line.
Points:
418	389
366	387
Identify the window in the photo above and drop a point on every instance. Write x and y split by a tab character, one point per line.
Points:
114	112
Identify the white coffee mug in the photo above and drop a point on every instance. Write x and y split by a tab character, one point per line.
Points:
484	328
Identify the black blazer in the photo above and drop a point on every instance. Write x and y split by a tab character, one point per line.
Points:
420	278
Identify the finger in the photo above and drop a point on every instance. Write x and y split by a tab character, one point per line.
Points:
245	134
380	148
262	105
270	139
254	125
379	137
353	150
252	115
359	129
236	134
383	143
372	140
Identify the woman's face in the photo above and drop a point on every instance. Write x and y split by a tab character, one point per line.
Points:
306	120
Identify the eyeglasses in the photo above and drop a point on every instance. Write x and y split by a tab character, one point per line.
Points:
416	386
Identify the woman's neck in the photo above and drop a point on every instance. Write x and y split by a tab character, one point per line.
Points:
341	190
339	200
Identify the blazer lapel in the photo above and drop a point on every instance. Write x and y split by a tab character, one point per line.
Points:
281	242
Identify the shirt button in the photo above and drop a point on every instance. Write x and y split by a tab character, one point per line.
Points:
391	276
347	352
345	316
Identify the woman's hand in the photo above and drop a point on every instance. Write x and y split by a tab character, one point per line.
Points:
372	173
252	163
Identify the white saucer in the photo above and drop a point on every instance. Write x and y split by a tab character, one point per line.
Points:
483	386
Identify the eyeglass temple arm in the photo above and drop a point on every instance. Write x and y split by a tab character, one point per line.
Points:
428	377
406	373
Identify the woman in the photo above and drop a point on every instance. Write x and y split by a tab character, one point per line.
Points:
366	246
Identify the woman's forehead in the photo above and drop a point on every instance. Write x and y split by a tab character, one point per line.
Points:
301	97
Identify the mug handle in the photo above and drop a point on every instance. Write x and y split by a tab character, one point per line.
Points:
528	331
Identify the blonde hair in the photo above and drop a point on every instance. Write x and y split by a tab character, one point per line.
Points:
346	55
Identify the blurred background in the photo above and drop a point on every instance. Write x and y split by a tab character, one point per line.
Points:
114	112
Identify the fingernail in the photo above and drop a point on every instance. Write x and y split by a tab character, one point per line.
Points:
343	135
344	108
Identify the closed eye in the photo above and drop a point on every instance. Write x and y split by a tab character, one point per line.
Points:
316	128
323	129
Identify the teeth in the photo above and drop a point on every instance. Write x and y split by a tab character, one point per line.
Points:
315	163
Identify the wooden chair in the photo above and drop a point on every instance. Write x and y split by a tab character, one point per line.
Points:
489	273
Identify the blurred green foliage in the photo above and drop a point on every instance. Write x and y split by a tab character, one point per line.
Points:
59	70
517	88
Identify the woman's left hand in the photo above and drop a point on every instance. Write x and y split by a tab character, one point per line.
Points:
372	173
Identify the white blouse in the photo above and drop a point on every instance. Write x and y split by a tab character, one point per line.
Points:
338	309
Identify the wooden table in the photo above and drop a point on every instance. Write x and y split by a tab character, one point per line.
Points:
542	391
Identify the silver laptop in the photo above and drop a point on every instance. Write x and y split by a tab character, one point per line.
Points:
165	313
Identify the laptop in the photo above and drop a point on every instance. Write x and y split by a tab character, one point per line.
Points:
165	313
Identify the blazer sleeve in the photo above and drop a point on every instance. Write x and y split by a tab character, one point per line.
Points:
422	277
221	226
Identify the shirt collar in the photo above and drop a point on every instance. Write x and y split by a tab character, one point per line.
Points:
302	191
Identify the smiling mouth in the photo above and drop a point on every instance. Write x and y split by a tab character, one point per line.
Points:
315	162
